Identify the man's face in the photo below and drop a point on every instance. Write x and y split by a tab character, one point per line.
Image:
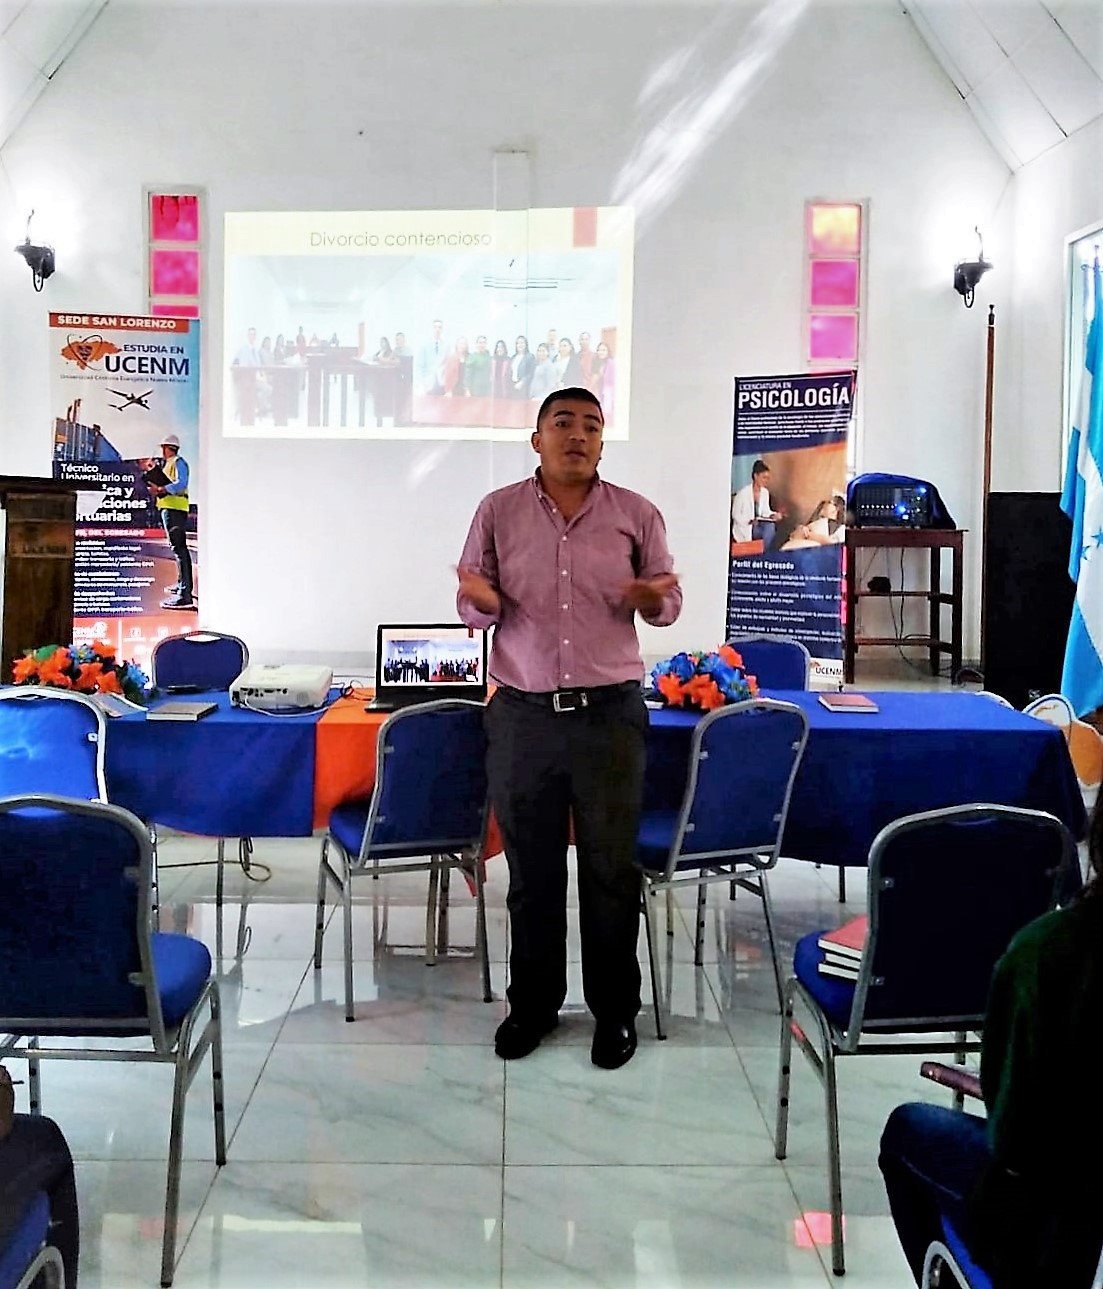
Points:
399	340
584	340
251	335
480	344
568	440
438	330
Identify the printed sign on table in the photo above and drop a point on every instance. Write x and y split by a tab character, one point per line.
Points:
121	387
788	511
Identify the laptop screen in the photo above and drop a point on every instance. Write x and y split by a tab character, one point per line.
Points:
441	655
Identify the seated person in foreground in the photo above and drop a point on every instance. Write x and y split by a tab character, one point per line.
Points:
826	527
1022	1188
34	1157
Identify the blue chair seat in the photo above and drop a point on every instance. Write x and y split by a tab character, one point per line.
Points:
25	1241
833	996
975	1278
183	967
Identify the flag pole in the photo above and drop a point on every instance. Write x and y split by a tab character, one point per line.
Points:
989	373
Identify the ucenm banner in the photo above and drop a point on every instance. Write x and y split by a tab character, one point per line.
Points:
125	392
788	511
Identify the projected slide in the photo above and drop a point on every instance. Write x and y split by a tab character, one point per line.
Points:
423	324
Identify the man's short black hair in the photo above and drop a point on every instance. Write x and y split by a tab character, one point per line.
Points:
572	393
759	467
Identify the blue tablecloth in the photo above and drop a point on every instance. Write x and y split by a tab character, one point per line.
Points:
920	751
234	773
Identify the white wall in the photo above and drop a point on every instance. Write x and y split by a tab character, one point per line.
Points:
1055	196
380	105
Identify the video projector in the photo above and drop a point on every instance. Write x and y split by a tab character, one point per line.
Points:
288	685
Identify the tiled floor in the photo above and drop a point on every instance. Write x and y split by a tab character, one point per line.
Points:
399	1150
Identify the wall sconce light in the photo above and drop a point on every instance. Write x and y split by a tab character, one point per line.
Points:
967	273
40	259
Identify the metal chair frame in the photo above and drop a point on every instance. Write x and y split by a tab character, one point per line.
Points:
47	1260
917	1032
441	855
746	867
98	736
939	1256
183	1046
245	844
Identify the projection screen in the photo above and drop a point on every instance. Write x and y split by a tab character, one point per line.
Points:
423	324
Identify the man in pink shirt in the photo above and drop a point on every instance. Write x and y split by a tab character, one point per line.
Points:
560	565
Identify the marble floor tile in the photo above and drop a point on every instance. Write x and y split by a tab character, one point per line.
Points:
122	1206
332	1226
655	1228
670	1105
398	1001
375	1103
390	926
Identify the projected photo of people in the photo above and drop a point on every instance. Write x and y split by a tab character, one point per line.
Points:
432	662
428	343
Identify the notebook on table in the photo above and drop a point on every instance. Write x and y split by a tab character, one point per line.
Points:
180	711
425	662
848	702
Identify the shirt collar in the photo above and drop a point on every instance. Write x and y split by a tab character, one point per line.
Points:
538	484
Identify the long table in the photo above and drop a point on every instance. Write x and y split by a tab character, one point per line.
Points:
240	773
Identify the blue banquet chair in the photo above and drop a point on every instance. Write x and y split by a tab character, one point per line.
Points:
427	813
28	1259
37	1236
79	961
51	740
742	762
203	661
948	890
776	662
950	1255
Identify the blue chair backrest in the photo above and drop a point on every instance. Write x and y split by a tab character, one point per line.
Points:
430	786
74	918
198	660
777	662
51	741
948	890
743	760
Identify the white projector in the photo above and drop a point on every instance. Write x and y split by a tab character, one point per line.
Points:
287	685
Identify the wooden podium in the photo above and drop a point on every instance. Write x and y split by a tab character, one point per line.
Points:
37	561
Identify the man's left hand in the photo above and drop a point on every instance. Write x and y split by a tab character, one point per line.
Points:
157	489
645	595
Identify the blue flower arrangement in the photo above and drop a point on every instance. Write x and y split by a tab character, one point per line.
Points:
703	680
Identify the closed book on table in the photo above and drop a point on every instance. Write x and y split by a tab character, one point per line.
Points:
848	703
178	711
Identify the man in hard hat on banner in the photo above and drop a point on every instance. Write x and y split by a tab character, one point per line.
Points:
172	502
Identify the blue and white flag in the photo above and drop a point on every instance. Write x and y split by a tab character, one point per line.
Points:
1082	501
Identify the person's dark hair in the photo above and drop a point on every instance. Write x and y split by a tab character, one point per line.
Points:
500	349
759	467
573	393
840	512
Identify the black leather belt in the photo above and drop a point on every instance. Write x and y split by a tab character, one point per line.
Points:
572	700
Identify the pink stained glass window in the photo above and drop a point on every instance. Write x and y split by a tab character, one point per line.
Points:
173	218
174	272
834	284
833	336
834	229
174	311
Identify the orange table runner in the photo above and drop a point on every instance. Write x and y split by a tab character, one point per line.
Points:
344	761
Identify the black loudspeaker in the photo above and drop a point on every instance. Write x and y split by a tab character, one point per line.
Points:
1028	595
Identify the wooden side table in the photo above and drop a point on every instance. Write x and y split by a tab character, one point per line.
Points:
936	540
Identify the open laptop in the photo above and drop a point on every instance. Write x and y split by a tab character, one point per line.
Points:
424	662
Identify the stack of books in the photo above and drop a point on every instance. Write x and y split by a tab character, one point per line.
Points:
843	949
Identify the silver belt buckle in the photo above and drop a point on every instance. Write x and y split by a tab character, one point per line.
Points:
565	701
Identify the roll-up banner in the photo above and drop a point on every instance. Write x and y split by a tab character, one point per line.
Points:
120	387
788	512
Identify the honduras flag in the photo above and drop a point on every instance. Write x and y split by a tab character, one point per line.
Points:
1082	501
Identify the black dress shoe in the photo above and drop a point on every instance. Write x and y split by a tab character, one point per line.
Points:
613	1045
517	1036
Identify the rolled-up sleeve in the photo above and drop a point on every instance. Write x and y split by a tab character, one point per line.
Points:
655	560
480	556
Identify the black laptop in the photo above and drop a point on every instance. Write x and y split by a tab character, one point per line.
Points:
423	662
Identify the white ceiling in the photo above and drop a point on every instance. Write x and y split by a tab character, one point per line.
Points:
1030	72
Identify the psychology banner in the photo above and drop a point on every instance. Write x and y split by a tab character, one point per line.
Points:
788	511
119	386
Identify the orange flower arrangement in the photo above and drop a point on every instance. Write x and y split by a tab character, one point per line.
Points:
83	668
703	680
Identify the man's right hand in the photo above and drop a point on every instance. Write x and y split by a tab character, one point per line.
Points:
478	590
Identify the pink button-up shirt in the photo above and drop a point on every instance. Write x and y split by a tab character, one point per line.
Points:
562	623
